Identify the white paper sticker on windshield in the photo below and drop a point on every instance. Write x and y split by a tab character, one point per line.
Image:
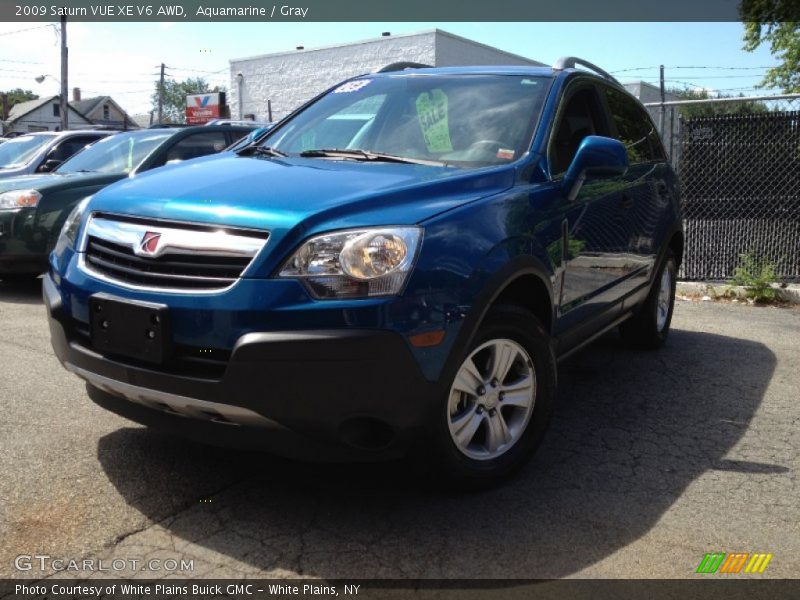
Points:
352	86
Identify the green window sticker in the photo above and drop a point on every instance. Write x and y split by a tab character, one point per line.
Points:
129	165
432	116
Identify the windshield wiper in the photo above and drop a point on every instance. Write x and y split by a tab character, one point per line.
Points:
263	150
369	155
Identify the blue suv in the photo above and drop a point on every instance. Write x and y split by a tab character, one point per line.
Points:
394	268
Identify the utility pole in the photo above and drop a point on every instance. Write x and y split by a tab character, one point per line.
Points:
661	108
161	95
64	56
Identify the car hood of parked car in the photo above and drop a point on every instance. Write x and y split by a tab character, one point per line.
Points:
8	172
276	193
57	182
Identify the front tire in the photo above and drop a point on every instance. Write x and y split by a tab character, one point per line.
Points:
498	403
649	327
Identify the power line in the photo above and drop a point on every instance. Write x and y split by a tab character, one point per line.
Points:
21	62
729	76
692	67
199	70
726	68
28	29
114	81
16	71
636	69
122	93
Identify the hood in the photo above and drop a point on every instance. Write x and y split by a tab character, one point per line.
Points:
280	194
53	182
7	172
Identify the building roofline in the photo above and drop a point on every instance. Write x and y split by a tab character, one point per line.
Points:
104	100
422	32
97	101
655	88
331	46
530	61
36	103
42	103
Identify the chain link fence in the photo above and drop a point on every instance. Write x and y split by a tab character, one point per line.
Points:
738	160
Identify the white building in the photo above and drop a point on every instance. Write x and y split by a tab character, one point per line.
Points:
42	114
285	80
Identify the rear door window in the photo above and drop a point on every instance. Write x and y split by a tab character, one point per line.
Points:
198	144
633	127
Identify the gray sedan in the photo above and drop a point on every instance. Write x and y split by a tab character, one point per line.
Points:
42	152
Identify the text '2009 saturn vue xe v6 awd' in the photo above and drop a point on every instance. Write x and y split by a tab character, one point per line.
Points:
396	267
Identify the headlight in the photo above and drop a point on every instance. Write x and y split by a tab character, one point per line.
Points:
69	232
19	199
357	263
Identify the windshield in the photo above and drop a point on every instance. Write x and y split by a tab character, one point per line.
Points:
466	120
248	139
117	154
19	151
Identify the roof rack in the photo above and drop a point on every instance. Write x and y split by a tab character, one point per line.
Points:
402	66
570	62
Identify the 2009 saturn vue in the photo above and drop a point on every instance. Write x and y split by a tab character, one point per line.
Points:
396	267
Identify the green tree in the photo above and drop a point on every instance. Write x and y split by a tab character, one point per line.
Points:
777	23
175	93
713	109
16	96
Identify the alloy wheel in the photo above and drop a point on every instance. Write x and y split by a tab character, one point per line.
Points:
664	298
491	399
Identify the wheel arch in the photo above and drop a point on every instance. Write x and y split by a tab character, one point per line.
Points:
676	244
523	281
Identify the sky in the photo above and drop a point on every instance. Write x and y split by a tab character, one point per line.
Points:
122	59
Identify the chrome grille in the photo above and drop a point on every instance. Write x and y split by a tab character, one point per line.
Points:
167	254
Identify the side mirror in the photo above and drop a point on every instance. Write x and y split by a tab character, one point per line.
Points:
51	164
598	157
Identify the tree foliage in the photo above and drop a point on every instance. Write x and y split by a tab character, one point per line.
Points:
17	96
777	23
175	93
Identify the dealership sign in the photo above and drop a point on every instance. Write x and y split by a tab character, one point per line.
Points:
202	108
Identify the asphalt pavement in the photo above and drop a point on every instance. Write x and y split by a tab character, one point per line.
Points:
652	460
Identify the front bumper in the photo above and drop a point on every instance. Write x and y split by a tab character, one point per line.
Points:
18	249
338	394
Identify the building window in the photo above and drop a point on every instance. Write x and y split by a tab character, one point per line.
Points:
106	113
56	110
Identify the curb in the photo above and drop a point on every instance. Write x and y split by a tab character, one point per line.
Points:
713	290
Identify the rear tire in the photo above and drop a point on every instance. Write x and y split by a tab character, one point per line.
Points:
498	404
649	327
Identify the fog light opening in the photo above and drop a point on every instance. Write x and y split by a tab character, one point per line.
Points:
366	433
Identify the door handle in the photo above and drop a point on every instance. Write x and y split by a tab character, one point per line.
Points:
627	202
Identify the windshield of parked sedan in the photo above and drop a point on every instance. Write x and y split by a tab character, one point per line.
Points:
117	154
19	151
464	120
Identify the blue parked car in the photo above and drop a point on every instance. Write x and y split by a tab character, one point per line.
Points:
395	268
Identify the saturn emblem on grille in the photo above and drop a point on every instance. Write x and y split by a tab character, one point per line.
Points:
149	243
